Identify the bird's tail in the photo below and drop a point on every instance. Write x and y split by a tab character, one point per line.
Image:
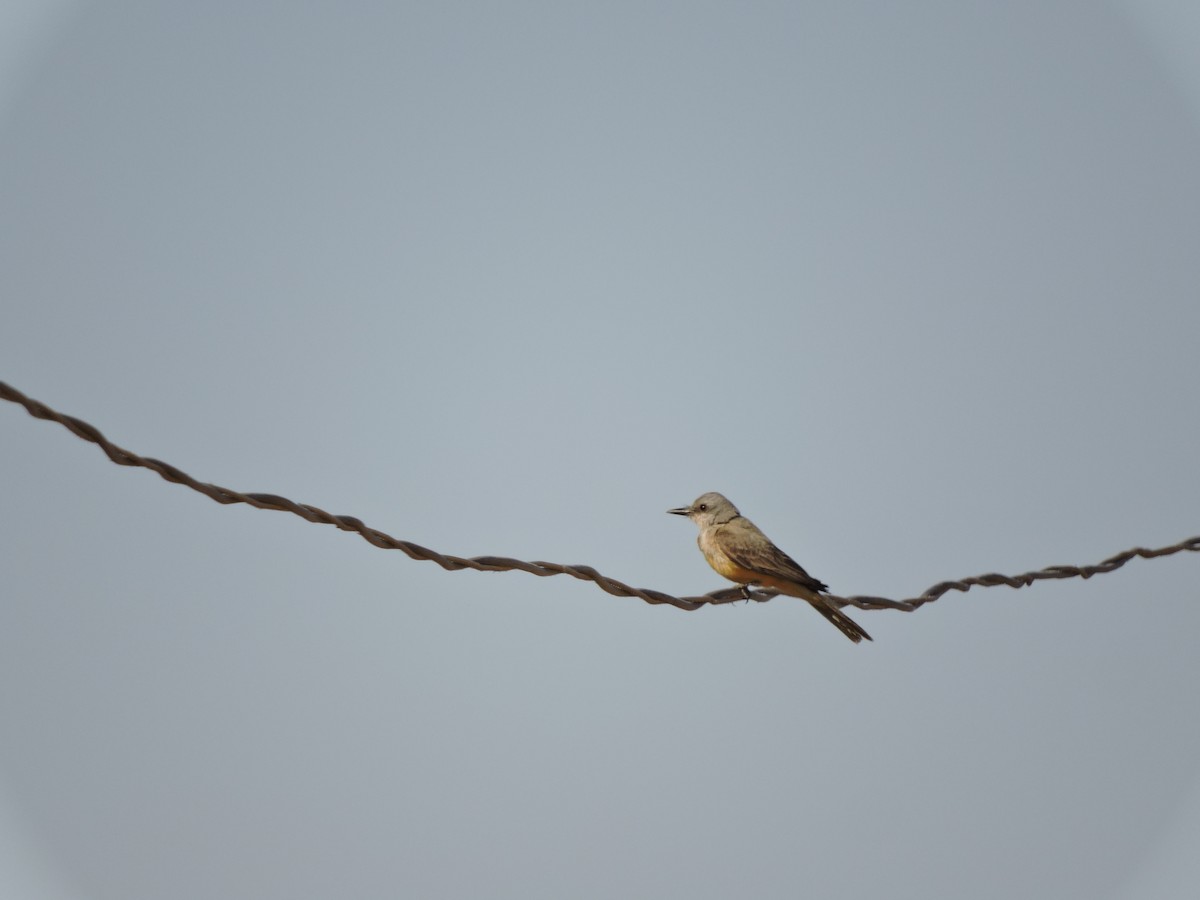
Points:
845	624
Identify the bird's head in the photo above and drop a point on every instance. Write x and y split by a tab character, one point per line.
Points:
708	509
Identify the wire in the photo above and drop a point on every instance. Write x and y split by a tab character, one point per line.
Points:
378	538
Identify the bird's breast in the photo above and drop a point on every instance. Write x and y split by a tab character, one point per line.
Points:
722	564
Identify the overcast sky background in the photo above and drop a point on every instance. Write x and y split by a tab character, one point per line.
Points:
915	285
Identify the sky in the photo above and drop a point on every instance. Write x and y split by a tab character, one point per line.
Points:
914	285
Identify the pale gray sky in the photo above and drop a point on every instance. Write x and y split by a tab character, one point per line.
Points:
914	285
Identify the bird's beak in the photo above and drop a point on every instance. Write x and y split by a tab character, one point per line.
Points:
682	511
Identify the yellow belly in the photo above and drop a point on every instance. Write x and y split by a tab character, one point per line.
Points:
731	570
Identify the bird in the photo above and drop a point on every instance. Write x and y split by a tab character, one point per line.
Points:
739	551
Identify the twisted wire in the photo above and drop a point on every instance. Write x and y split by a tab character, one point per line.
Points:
373	536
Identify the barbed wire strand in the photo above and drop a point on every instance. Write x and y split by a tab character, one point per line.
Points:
378	538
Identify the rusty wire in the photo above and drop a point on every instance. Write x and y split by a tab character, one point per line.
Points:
378	538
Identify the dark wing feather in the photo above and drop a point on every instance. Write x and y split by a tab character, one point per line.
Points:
763	556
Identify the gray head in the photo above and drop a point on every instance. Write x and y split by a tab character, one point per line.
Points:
708	509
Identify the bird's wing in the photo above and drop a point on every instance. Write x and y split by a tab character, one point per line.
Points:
749	548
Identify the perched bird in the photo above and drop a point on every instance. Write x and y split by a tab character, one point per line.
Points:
737	550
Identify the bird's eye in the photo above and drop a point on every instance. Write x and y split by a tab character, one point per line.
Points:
702	507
